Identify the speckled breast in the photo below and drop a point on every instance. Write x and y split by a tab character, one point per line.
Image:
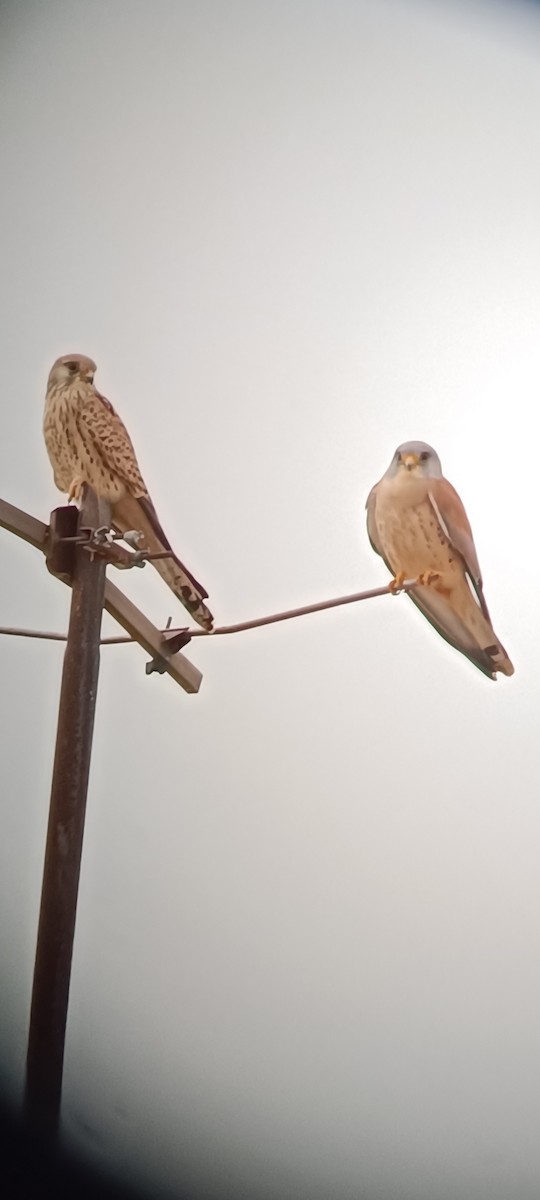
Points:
72	449
58	439
410	534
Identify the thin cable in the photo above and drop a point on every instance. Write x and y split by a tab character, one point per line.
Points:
273	619
34	633
353	598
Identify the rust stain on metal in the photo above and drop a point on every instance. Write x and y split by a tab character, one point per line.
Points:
63	851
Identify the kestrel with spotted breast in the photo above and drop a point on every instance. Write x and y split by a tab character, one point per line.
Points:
88	443
417	523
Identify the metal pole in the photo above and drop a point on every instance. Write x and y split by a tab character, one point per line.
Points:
61	871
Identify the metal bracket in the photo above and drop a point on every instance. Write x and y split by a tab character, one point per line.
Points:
61	538
171	643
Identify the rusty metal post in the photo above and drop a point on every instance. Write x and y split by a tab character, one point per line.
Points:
61	871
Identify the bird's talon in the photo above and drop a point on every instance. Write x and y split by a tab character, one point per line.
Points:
75	490
426	578
396	584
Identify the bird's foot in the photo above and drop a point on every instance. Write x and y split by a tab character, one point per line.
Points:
426	578
396	584
75	489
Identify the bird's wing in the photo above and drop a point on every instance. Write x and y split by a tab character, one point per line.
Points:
454	523
372	524
114	445
445	621
137	512
107	431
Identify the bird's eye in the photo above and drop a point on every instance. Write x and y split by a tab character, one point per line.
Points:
424	456
71	366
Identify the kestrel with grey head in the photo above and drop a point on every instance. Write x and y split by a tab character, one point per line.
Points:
87	443
417	523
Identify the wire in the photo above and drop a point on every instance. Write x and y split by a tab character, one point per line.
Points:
34	633
273	619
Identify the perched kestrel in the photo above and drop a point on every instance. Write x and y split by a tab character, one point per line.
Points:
418	525
88	443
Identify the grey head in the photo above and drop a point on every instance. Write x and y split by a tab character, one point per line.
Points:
416	458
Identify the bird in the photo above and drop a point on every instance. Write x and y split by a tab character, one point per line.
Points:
87	443
417	523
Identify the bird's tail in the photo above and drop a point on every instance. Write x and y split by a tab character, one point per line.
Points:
186	588
139	513
464	625
488	643
499	657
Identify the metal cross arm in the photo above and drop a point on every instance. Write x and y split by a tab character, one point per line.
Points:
57	542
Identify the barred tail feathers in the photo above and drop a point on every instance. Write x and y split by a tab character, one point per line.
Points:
139	513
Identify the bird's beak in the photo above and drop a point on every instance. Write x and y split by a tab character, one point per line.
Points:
409	461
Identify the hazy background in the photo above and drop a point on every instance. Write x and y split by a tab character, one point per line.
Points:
292	235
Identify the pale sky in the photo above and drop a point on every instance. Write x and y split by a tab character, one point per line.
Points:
292	235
